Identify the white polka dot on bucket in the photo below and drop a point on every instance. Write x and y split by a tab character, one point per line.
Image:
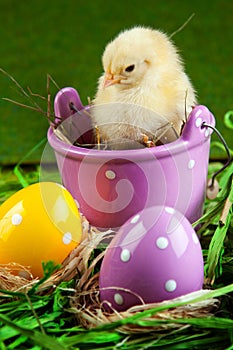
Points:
135	219
110	174
16	219
125	255
67	238
191	163
169	210
170	285
198	122
118	298
198	112
162	242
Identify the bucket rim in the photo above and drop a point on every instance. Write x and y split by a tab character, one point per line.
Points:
192	136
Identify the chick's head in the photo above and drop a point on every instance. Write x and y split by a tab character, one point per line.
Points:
135	55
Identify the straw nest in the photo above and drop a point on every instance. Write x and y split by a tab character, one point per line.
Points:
86	306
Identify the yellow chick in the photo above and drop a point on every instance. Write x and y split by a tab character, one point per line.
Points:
144	89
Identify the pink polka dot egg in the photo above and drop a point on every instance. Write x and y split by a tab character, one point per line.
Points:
39	223
155	256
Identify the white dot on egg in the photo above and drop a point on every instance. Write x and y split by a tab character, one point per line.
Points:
198	122
60	210
135	219
67	238
162	242
110	174
170	285
169	210
125	255
191	163
195	238
118	298
16	219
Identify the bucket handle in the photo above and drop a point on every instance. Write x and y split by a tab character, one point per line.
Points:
229	158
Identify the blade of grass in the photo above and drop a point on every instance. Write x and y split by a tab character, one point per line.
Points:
17	342
196	341
226	188
217	242
18	172
25	322
45	341
89	337
227	119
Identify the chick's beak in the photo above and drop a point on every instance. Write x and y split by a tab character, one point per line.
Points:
109	80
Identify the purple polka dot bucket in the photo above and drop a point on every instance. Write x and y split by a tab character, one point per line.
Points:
113	185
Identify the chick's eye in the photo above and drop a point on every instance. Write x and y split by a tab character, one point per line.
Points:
130	68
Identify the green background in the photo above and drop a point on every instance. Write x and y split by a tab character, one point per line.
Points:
66	39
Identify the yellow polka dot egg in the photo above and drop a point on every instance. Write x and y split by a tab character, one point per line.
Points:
39	223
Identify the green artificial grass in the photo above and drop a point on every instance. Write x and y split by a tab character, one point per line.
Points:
66	39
